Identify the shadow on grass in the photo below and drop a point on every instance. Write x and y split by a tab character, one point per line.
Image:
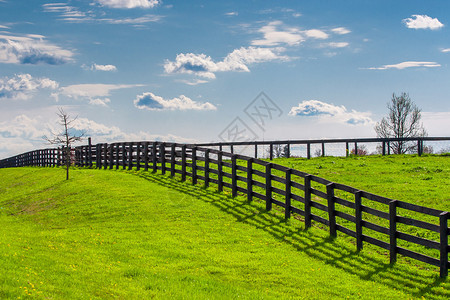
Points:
409	279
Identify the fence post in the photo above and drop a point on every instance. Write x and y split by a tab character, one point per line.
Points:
419	147
271	151
323	149
162	154
146	156
138	156
389	147
124	156
154	157
117	155
183	163
207	168
331	209
130	156
172	159
347	150
384	148
231	149
356	148
219	172
393	231
269	186
233	176
307	201
105	162
256	150
443	230
358	216
287	211
308	150
288	148
250	179
194	165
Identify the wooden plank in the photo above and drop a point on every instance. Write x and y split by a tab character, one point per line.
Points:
206	168
393	231
268	186
220	172
278	179
417	223
278	191
318	193
297	198
173	155
259	173
358	221
296	184
345	230
420	209
259	196
320	180
307	201
145	156
183	163
279	168
418	256
344	202
375	227
375	242
162	154
319	206
259	184
194	165
287	211
320	219
241	178
241	189
443	239
154	157
418	240
345	216
299	173
375	212
376	198
331	209
278	203
250	179
297	211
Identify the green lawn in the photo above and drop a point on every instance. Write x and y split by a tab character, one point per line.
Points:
137	235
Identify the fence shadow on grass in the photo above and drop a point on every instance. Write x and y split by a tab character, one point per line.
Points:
414	281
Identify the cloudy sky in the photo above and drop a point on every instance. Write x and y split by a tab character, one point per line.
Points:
202	70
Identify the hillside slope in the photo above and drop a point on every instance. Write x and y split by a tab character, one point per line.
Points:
112	234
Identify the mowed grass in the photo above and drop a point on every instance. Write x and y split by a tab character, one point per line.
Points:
137	235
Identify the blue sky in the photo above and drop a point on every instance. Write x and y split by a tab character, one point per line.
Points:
190	71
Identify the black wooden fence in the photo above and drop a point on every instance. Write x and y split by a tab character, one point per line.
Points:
366	217
384	143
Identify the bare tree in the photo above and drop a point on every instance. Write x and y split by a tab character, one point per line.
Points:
65	138
403	121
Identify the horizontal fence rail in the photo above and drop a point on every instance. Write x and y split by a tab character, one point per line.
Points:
384	144
368	218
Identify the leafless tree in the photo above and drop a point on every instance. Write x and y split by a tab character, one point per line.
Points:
403	121
66	138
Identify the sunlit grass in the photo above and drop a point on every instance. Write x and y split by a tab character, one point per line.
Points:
137	235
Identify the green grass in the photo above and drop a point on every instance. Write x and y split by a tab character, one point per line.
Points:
137	235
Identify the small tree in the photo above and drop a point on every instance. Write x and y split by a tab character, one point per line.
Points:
65	138
403	121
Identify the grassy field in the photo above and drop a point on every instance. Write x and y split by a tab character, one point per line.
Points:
137	235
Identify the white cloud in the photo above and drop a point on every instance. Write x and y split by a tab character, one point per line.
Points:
25	133
31	49
273	36
192	82
340	30
106	68
408	64
316	34
238	60
445	50
22	86
129	3
150	101
96	94
4	27
338	44
72	14
330	112
422	22
232	13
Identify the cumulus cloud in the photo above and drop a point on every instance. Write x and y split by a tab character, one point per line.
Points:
330	112
150	101
274	36
96	94
238	60
316	34
232	13
106	68
129	3
340	30
422	22
31	49
445	50
408	64
22	86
